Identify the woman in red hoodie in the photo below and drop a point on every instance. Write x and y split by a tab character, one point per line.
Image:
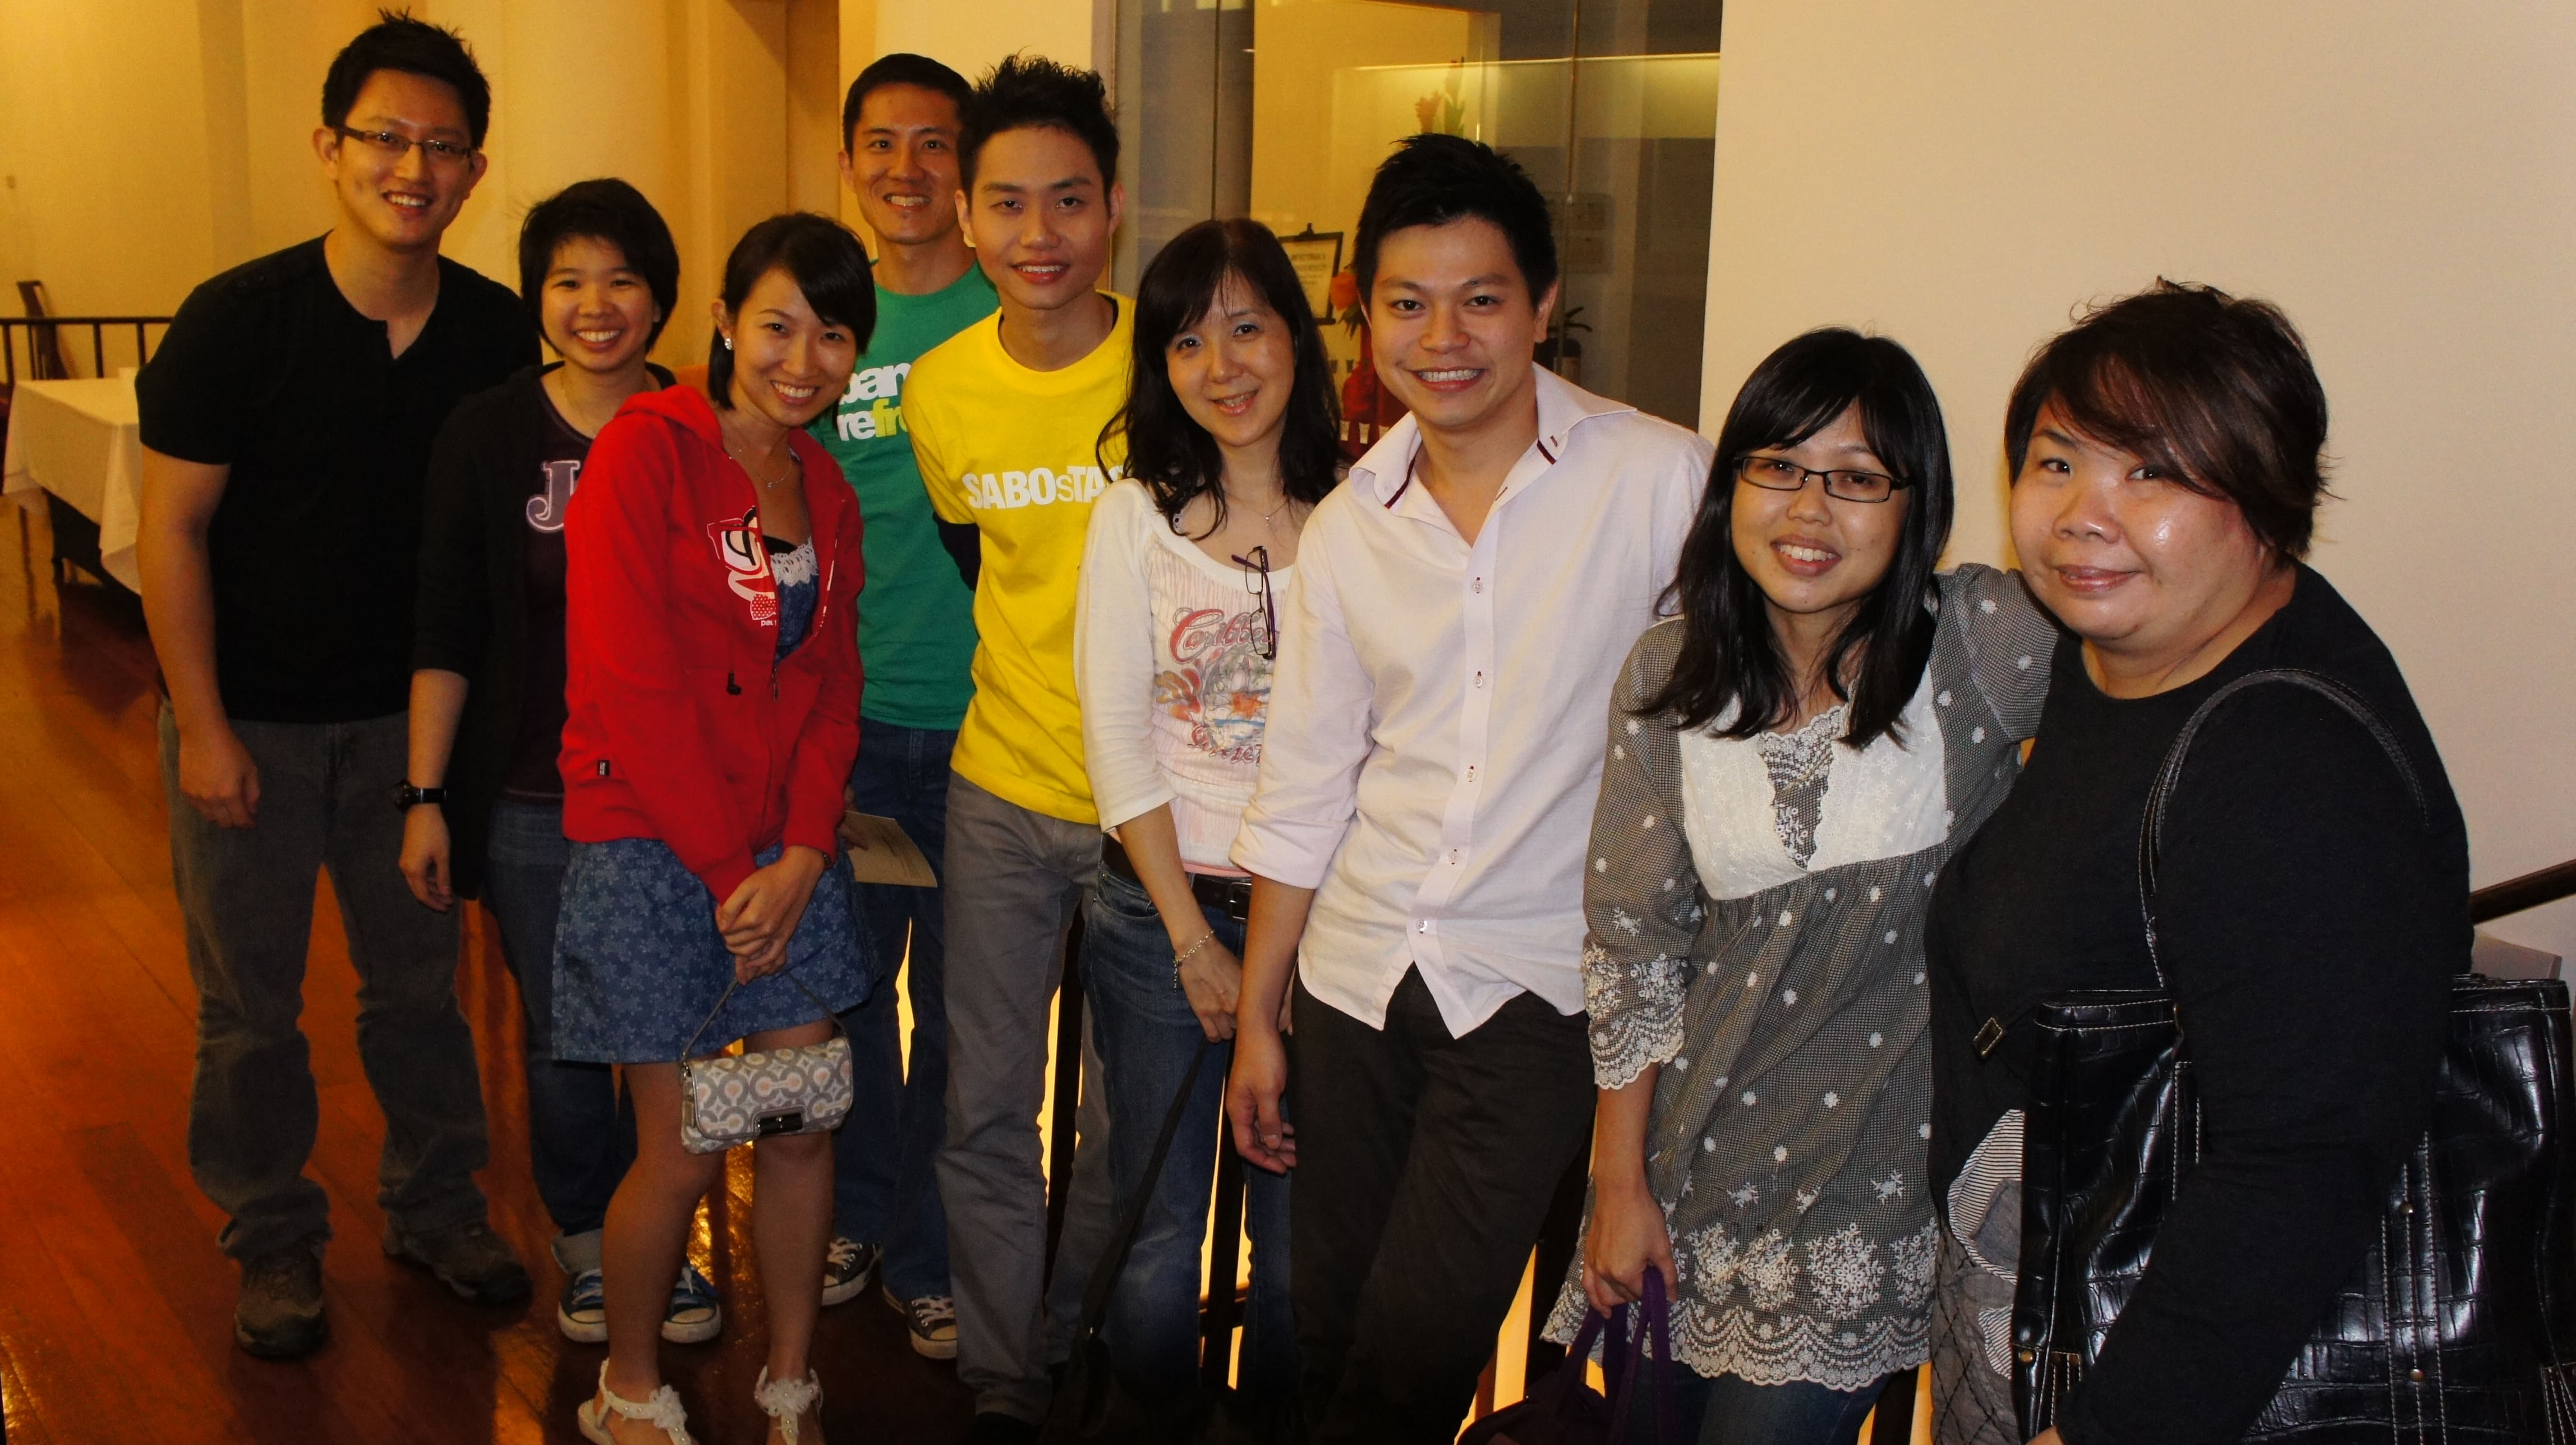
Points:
712	567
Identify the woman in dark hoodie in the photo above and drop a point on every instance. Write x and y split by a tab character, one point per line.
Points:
599	273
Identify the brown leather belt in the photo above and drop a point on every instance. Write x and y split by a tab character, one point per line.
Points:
1229	896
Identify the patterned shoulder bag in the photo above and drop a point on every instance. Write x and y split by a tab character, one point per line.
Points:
733	1099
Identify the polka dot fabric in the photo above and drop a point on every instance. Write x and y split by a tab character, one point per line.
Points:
1788	1154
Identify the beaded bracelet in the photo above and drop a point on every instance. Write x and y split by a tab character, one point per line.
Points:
1186	954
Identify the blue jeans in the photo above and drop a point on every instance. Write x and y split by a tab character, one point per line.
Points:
1729	1410
1147	1036
885	1187
581	1129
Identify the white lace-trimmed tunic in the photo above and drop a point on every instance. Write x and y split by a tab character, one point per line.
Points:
1756	918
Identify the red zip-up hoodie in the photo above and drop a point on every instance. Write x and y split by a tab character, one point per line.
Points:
684	726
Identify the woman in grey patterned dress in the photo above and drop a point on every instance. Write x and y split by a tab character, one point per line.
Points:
1790	762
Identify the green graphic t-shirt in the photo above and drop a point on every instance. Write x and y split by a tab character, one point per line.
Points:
916	617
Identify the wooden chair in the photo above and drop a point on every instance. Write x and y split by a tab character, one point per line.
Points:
46	360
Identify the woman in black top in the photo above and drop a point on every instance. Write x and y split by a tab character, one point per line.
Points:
600	274
2165	456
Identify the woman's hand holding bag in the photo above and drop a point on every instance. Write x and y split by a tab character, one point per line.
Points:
1564	1409
1627	1241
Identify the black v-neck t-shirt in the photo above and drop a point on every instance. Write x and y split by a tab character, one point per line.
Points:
2309	919
268	369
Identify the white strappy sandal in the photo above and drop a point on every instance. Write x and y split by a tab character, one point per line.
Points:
786	1402
661	1409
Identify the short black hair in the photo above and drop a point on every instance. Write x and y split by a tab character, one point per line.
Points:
2217	390
1031	92
828	265
415	47
609	210
903	68
1432	180
1730	654
1167	449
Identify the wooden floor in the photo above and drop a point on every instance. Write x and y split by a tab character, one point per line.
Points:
115	1307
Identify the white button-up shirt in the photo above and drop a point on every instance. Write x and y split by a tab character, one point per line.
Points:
1436	719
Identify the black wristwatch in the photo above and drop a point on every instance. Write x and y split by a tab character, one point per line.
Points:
408	797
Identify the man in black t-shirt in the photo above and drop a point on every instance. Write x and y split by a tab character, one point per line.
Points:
286	422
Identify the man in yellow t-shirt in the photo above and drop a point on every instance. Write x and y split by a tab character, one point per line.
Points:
1006	420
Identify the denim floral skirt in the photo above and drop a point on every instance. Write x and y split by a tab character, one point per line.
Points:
639	964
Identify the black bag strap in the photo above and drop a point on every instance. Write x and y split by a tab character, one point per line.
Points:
2169	775
1104	1275
690	1049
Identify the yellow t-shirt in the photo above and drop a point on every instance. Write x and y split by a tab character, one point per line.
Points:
1018	453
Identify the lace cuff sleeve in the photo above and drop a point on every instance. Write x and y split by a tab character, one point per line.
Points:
1641	896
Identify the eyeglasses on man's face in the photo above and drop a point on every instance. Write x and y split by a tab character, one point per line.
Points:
1779	474
391	147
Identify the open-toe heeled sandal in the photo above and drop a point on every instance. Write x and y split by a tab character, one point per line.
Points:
661	1409
786	1402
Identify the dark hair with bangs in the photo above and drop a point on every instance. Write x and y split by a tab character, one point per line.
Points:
902	68
414	47
1730	653
1031	92
2217	390
1167	449
607	210
824	259
1432	180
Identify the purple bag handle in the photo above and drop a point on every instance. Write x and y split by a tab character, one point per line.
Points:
1624	1356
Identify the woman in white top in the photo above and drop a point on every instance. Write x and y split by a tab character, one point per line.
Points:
1230	443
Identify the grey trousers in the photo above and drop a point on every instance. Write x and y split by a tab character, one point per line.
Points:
1013	881
246	895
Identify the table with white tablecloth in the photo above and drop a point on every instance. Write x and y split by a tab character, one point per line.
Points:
82	441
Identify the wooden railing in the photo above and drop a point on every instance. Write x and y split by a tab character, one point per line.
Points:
2528	891
38	340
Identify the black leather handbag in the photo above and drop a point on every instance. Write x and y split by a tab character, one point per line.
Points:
2457	1323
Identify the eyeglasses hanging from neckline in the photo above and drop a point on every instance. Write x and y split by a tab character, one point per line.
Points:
1256	582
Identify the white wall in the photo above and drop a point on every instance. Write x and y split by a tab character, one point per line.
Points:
2400	178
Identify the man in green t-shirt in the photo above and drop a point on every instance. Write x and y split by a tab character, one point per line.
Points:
916	640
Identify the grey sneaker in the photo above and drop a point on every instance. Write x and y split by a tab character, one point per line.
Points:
279	1314
468	1258
849	1267
933	1322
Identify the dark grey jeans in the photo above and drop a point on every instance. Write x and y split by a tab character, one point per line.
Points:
1012	882
325	801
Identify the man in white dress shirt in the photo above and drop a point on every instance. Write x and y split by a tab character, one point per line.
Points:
1427	781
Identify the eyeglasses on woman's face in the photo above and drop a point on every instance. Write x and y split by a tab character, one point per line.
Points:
1779	474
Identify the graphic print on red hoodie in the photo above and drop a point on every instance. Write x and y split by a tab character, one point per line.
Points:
746	562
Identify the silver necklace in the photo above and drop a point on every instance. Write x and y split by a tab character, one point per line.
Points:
766	483
1284	500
